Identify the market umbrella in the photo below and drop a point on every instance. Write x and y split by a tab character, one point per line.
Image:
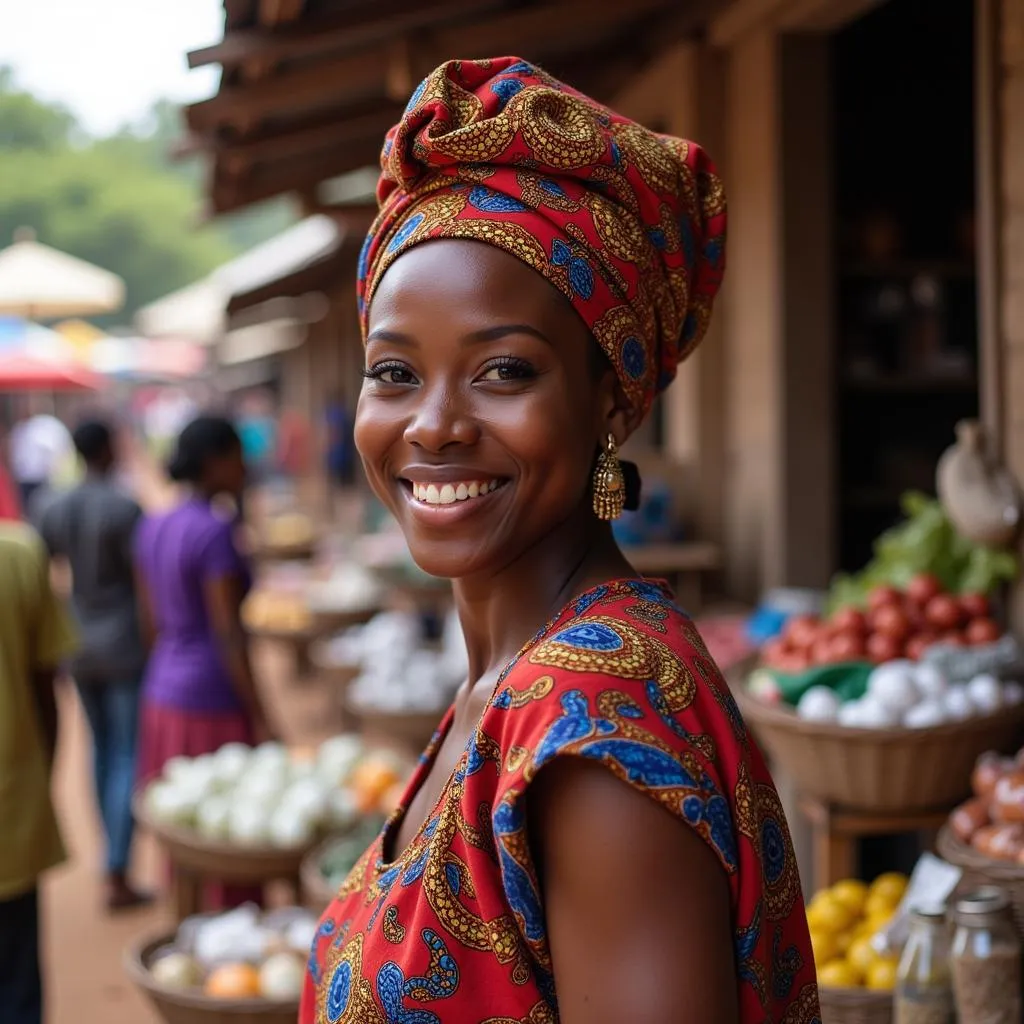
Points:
39	282
21	372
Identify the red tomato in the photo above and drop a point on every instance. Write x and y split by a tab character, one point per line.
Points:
821	652
793	663
882	648
982	631
802	631
918	644
847	646
881	596
849	620
923	587
943	612
975	606
953	638
891	620
773	651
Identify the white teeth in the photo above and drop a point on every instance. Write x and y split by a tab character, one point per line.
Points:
448	494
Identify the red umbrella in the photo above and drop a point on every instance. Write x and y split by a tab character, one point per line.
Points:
19	372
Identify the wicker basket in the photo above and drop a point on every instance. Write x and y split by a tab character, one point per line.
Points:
979	870
855	1006
317	894
225	862
410	731
895	770
194	1007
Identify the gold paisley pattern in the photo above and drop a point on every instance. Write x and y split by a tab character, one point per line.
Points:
559	131
389	926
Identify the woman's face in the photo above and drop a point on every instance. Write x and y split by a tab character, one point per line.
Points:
226	473
481	412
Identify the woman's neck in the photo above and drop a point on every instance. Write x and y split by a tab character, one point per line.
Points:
501	611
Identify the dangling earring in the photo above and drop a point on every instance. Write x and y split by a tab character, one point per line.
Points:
609	483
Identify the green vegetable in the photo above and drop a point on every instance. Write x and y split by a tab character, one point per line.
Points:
925	542
848	679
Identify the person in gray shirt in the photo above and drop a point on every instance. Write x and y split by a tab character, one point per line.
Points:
91	527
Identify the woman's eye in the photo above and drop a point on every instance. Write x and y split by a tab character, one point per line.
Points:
508	369
390	373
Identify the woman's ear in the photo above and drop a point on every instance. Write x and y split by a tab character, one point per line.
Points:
621	417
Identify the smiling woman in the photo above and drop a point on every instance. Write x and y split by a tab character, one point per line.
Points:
591	837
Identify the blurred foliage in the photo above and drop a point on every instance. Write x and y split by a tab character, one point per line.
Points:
121	202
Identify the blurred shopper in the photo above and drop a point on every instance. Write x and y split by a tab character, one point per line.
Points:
10	506
35	637
293	445
39	446
258	433
92	527
199	692
340	446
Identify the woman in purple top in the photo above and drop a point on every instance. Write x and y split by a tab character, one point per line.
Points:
198	691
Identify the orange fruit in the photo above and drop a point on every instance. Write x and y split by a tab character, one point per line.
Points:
233	981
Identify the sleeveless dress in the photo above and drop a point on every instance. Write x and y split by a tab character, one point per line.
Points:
453	931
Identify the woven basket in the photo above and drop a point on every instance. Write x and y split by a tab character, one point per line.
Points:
411	731
979	870
855	1006
895	770
317	894
194	1007
225	862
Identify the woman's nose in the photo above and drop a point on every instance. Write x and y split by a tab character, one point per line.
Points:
439	420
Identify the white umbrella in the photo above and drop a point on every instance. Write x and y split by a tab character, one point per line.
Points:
39	282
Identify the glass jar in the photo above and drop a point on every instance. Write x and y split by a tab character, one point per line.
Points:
924	986
986	959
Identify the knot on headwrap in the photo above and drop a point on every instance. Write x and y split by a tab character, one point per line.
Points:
628	224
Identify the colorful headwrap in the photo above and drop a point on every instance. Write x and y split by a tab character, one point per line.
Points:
629	225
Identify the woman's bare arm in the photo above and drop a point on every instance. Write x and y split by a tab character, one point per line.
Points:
637	904
223	597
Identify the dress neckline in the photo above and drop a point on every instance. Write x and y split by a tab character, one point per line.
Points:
575	607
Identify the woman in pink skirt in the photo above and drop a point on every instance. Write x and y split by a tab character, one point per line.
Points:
199	692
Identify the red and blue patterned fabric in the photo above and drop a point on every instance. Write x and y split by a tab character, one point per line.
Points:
453	930
628	224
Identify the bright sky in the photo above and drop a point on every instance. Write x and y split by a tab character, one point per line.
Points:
108	60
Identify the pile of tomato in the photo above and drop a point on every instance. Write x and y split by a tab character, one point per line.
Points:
895	624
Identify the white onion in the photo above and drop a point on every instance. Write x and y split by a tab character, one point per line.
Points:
176	971
818	704
282	976
925	715
985	693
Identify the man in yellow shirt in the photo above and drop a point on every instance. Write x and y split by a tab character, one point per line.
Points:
35	637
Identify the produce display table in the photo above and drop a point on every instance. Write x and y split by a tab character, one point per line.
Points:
683	565
324	624
195	861
835	832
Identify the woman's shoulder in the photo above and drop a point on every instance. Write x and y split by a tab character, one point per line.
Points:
623	653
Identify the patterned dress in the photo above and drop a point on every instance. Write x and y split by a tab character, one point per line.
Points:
453	931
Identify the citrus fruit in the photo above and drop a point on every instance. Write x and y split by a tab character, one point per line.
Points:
824	946
879	905
852	893
881	975
888	888
233	981
844	940
861	954
838	974
829	915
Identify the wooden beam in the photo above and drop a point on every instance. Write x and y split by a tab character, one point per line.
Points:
745	16
335	33
230	193
335	132
277	12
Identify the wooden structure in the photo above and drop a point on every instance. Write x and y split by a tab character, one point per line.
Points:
310	86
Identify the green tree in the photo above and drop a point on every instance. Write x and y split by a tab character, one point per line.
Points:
120	202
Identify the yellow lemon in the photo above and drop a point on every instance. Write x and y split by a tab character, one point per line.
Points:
861	954
888	888
881	975
829	915
824	946
852	893
838	974
880	906
844	940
